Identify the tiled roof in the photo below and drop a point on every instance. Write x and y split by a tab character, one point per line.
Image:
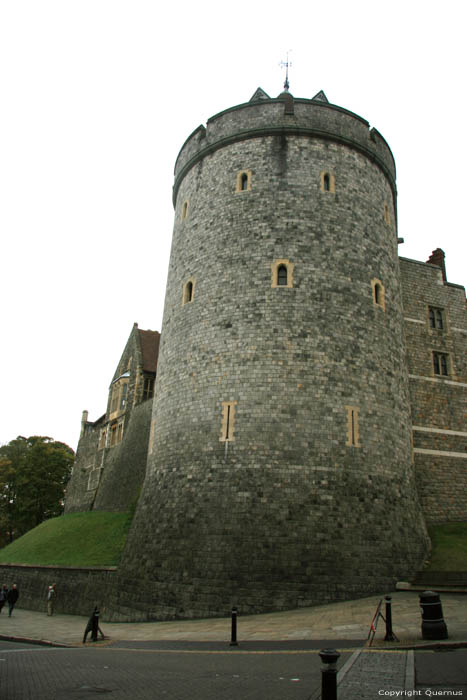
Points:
150	349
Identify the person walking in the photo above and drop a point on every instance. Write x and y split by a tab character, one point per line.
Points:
51	595
3	595
12	597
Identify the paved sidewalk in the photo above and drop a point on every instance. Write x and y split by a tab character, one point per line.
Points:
369	674
348	620
385	666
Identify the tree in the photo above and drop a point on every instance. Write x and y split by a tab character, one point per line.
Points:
33	474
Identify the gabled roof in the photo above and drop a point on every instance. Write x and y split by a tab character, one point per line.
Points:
149	341
321	97
259	95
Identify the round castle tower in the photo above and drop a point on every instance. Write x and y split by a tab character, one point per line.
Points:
279	470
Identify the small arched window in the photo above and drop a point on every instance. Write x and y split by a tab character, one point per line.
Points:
188	291
243	181
282	276
184	210
378	294
328	182
282	273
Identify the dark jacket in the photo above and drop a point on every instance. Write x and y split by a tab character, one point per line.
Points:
13	595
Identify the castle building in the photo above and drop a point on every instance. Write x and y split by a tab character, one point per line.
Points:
111	457
309	406
435	332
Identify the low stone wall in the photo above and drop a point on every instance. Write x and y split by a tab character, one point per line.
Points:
432	579
79	589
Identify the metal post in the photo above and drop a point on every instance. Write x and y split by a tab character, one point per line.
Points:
233	638
329	658
95	624
390	637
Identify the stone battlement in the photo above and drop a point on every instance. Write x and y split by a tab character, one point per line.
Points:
289	116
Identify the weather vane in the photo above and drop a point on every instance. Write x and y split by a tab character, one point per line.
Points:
285	64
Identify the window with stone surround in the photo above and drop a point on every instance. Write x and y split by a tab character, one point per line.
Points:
377	288
353	438
328	182
148	388
228	421
436	318
387	214
116	433
243	182
123	395
282	273
102	438
113	435
184	210
188	291
441	363
151	437
114	400
119	394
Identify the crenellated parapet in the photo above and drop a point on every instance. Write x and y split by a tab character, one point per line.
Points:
285	115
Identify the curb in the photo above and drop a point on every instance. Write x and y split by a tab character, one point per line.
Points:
430	646
30	640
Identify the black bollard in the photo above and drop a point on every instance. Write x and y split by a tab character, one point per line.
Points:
233	638
433	625
95	624
329	674
390	636
93	627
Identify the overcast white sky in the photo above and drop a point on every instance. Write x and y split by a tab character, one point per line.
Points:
97	98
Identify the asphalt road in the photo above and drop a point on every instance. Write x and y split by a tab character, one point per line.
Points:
30	672
198	671
440	671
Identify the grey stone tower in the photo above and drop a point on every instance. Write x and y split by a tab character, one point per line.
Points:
280	470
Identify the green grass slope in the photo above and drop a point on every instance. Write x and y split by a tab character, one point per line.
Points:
449	547
79	539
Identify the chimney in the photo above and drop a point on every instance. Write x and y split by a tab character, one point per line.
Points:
437	258
83	421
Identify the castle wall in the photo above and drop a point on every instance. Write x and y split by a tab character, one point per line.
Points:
438	401
79	589
281	474
125	464
85	475
110	461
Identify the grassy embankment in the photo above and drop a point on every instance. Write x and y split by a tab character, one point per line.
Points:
78	539
449	544
97	539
